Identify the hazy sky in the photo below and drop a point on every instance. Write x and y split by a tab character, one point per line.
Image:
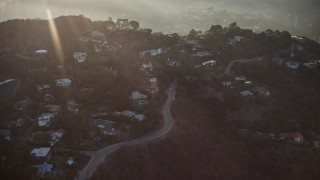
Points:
146	11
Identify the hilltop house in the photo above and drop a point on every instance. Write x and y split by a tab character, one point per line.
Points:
138	98
63	82
171	62
53	108
147	66
56	137
153	52
96	35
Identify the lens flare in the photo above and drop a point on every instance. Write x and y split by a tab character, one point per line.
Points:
55	38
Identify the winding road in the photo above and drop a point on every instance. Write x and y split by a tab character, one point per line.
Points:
99	156
228	69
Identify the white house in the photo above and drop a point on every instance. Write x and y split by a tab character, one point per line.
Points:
80	57
293	64
147	66
41	153
209	63
41	52
98	35
226	83
202	53
238	38
137	95
139	117
45	119
310	64
246	93
63	82
171	62
153	52
240	78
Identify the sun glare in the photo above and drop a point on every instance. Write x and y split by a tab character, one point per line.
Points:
55	37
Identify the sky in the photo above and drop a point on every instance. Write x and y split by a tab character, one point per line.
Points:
148	12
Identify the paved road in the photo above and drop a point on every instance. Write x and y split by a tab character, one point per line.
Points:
99	156
228	69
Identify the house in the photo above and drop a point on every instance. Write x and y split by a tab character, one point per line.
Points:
126	113
96	35
48	98
6	134
72	106
56	137
147	66
63	82
310	64
246	93
262	91
209	63
137	95
43	153
293	64
154	85
84	39
80	57
295	136
139	117
238	38
240	78
22	105
19	122
41	52
44	169
226	83
279	61
202	54
53	108
171	62
45	119
153	52
8	89
43	88
70	161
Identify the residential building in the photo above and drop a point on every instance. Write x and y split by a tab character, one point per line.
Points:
246	93
310	64
295	136
63	82
56	137
44	169
171	62
43	153
22	105
139	117
240	78
6	134
126	113
45	119
41	52
209	63
8	89
147	66
96	35
43	88
202	54
262	91
53	108
293	64
227	83
153	52
80	57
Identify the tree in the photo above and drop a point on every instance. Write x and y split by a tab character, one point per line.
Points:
110	25
215	28
134	25
193	33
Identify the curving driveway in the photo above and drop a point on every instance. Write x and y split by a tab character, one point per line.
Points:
228	68
99	156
